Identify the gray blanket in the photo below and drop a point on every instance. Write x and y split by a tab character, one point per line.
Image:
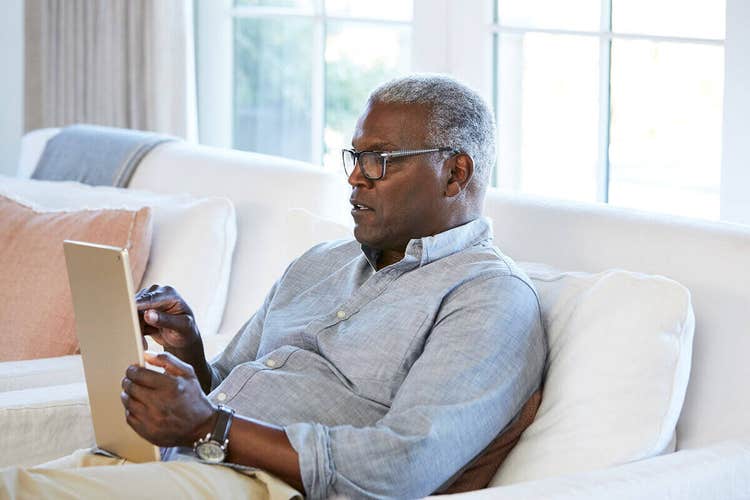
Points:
95	155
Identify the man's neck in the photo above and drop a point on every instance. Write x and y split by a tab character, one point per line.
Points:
388	257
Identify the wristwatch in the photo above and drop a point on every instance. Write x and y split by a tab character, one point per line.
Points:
213	447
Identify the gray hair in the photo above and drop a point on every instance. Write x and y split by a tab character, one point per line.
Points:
458	118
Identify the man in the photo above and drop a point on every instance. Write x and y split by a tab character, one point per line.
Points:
377	367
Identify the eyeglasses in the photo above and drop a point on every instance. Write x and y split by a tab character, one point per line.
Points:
372	163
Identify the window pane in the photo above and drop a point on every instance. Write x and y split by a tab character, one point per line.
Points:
297	4
548	114
686	18
551	14
398	10
358	57
665	150
272	92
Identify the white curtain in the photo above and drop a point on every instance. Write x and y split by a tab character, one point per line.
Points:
122	63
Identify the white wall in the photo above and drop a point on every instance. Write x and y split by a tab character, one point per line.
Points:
11	84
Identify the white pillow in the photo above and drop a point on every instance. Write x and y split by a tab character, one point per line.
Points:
618	368
193	238
306	229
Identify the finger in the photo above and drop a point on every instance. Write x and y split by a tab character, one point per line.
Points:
134	422
136	391
155	297
149	330
182	323
144	293
147	378
171	364
145	290
132	405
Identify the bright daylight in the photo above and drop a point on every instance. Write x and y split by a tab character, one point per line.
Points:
288	249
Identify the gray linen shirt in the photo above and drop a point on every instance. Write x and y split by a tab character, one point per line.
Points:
387	383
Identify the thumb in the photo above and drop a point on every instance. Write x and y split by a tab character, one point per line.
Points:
171	363
178	322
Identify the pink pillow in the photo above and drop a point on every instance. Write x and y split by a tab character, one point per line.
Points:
36	309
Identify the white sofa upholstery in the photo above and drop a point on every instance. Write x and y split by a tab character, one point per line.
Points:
711	259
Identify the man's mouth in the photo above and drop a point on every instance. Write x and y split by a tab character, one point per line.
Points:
358	207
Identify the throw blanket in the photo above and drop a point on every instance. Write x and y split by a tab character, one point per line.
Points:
95	155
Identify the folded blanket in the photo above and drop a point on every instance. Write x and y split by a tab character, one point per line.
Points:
95	155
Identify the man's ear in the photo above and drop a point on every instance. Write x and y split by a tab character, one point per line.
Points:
461	170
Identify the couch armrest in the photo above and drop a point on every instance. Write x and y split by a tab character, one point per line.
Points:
720	471
32	147
44	423
44	372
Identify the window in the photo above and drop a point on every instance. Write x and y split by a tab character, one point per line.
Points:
612	100
619	101
302	70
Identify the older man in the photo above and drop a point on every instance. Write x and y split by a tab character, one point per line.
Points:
377	367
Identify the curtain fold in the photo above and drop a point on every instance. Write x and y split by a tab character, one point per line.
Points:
122	63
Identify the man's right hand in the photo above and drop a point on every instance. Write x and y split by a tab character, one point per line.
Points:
167	318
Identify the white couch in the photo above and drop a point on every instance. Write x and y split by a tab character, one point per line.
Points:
713	435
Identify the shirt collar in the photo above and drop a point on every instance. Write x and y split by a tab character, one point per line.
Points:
422	251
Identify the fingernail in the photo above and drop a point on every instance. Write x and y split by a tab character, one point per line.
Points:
151	316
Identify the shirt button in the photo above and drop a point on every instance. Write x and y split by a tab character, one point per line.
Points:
341	314
221	396
270	363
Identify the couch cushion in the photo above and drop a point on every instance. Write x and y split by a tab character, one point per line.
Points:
193	238
619	362
305	229
35	304
44	423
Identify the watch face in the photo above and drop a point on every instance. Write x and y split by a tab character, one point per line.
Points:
210	451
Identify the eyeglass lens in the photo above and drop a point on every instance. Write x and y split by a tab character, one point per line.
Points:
372	163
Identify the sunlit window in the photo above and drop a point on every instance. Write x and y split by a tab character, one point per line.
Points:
617	101
303	69
612	100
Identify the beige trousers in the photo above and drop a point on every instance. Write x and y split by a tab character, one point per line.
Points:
85	475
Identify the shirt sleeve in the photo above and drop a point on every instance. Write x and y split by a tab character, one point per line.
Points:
484	357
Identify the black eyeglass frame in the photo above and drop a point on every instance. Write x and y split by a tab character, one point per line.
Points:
385	156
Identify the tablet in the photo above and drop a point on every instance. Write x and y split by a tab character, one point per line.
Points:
110	339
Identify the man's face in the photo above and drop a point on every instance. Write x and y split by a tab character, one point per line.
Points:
409	202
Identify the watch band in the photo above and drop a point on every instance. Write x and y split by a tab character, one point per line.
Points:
223	423
213	447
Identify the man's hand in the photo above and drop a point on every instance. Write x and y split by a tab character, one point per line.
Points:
167	409
165	316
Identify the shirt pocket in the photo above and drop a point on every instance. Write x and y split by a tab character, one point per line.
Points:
375	352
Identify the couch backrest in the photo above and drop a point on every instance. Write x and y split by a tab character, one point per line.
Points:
709	258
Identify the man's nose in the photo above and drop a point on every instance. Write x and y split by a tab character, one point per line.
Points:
357	178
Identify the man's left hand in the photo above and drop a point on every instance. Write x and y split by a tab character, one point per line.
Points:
167	409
